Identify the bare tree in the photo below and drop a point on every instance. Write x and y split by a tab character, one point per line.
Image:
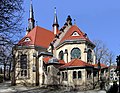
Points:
10	20
110	58
11	12
102	53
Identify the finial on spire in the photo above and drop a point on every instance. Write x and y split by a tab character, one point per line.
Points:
55	17
74	21
55	10
30	1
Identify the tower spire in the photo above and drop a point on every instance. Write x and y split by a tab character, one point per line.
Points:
55	22
31	21
31	10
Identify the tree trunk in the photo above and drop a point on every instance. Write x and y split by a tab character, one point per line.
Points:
13	82
4	71
9	71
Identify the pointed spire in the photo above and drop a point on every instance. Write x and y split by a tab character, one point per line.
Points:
31	21
55	22
31	10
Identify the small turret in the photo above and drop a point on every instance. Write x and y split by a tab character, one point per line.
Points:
55	22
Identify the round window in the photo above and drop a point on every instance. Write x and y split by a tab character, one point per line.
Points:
75	53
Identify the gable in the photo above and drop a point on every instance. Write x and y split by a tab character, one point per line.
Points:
74	33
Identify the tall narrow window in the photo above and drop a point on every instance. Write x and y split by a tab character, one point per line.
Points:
79	75
48	69
23	62
89	74
74	74
62	75
89	56
23	65
66	75
61	55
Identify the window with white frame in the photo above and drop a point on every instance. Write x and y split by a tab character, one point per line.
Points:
27	39
75	33
77	74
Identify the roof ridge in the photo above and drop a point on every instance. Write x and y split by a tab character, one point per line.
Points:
43	28
73	61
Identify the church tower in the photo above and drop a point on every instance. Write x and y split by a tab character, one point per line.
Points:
31	21
55	22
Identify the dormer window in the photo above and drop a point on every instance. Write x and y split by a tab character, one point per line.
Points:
75	33
27	39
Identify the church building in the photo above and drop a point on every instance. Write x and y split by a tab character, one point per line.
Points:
61	57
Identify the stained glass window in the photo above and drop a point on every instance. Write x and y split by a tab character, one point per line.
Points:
75	53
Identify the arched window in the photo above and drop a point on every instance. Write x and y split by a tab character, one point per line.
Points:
61	55
75	53
89	55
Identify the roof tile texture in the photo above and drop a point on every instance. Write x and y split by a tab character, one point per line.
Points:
39	37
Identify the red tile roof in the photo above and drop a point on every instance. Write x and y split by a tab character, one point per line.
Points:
61	61
68	35
76	63
46	59
39	37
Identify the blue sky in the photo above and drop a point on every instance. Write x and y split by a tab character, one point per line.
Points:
100	19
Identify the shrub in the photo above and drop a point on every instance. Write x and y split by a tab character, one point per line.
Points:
1	78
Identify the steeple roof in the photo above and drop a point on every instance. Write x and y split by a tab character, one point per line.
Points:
55	22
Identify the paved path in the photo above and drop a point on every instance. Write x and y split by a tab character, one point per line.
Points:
7	88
